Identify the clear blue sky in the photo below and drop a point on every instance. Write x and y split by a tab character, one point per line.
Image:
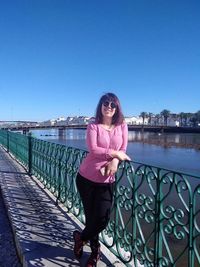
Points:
57	57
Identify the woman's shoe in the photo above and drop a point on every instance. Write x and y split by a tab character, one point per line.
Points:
78	244
94	257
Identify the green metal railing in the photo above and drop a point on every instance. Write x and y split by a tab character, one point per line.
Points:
155	219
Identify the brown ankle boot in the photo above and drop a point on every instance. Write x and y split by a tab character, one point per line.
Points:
78	244
94	256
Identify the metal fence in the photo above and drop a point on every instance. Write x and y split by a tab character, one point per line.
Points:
155	218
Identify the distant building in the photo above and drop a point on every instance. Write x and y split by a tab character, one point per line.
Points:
155	120
135	120
48	122
83	120
61	121
75	120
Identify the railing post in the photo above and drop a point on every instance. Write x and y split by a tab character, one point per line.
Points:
59	179
29	153
158	220
191	232
8	141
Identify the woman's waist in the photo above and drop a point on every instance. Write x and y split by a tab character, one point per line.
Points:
93	163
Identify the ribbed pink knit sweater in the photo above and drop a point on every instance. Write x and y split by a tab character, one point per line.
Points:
100	142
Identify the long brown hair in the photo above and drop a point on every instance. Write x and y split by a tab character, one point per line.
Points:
118	117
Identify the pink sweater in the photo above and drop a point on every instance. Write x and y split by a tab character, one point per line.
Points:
100	142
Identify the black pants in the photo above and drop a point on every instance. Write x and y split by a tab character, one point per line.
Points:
97	202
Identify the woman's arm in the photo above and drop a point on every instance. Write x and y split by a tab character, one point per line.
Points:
118	155
121	153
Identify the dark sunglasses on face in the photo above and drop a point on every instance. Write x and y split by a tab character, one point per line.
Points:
111	104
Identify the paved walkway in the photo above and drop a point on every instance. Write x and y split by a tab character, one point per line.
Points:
8	253
42	230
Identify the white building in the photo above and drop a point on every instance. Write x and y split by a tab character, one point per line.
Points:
135	120
51	122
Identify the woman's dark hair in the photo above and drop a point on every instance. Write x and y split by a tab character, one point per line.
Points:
118	117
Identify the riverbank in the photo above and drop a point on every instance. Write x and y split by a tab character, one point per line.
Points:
163	129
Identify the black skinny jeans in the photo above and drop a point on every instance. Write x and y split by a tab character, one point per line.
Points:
97	202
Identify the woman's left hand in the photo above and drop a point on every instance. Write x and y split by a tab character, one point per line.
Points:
112	167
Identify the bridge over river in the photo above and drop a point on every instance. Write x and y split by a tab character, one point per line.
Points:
25	127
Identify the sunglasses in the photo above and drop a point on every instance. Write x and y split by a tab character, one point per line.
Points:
111	104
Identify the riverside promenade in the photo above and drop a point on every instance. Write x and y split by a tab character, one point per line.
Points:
40	231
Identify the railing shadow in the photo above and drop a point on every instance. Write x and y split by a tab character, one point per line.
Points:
41	227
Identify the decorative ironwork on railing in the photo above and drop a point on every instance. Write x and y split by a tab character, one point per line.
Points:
155	218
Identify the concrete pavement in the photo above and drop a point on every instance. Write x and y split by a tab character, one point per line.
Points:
8	252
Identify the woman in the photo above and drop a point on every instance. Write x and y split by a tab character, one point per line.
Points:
107	141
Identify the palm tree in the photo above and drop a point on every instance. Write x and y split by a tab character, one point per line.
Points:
181	116
143	115
195	119
186	116
149	117
165	113
198	116
157	116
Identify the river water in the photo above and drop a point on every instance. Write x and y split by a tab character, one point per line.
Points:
179	152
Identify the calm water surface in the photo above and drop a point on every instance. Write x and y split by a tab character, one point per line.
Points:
170	151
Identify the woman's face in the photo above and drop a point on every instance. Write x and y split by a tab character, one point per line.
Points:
108	109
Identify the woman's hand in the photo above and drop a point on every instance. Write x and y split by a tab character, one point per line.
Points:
111	167
120	155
